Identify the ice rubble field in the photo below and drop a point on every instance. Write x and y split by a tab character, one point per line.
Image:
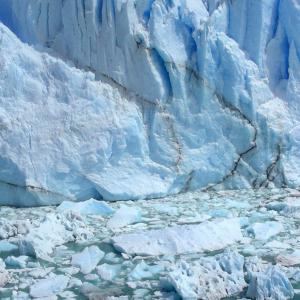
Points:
233	245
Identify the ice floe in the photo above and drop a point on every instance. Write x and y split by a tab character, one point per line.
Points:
88	259
207	236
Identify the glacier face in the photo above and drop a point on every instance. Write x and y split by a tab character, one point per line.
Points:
157	97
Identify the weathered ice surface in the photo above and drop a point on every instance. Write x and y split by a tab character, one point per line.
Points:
198	94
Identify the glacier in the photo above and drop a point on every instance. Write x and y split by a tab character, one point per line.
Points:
118	100
77	255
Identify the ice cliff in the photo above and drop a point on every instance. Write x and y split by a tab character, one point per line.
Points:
133	99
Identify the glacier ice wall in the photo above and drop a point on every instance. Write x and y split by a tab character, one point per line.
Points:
157	97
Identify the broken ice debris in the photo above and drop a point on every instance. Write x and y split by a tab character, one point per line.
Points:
88	259
125	215
209	278
54	230
89	207
270	284
207	236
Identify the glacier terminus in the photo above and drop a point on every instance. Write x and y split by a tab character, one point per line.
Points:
149	149
122	100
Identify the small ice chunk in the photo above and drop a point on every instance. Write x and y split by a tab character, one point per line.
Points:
108	272
12	228
263	231
221	213
4	276
145	271
49	287
270	284
68	295
88	259
125	215
289	208
89	207
19	295
207	236
41	272
91	277
6	246
69	270
167	209
289	259
89	290
74	283
17	262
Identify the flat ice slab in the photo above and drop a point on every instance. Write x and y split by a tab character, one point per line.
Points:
207	236
49	287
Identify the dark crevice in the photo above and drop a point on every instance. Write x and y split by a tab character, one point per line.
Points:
173	135
35	189
187	184
273	171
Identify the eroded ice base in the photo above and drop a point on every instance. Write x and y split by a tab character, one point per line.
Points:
236	245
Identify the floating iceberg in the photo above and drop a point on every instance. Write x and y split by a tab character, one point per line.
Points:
207	236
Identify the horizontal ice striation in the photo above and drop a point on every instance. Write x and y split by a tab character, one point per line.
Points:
201	94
